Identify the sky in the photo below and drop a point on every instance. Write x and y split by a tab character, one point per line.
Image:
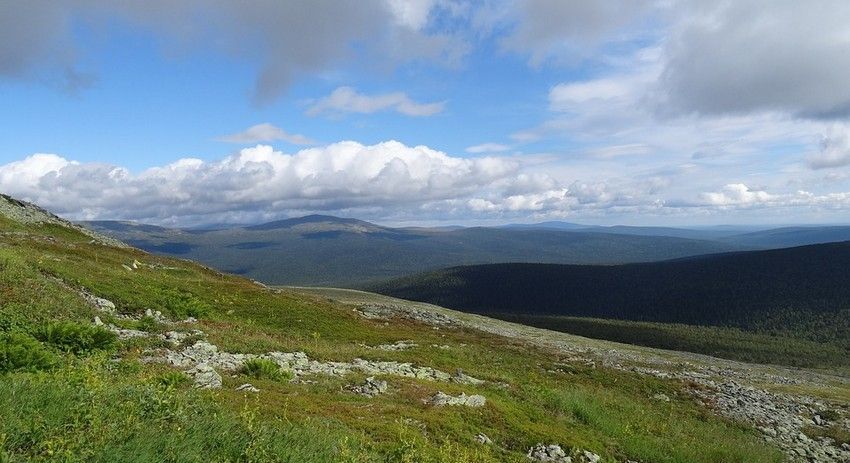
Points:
426	112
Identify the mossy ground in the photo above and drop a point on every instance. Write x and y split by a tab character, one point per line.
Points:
90	408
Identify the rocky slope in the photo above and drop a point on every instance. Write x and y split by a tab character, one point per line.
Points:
757	395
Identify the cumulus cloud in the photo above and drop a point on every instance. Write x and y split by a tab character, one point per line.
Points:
487	148
37	37
348	100
265	132
259	180
739	195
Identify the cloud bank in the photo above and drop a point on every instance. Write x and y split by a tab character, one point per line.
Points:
385	180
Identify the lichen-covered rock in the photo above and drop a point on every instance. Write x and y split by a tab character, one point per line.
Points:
247	387
205	376
441	399
587	456
124	334
370	388
482	438
396	346
548	453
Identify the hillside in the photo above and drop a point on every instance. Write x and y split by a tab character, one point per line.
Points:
802	292
113	354
323	250
791	236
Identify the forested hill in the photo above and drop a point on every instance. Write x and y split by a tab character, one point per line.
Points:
332	251
804	288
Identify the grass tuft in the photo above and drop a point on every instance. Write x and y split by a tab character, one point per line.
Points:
266	369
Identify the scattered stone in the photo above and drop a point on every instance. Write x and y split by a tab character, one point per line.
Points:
127	267
370	388
157	315
818	420
482	438
661	397
548	453
205	376
396	346
99	303
97	321
190	320
387	311
462	378
124	334
247	387
587	456
441	399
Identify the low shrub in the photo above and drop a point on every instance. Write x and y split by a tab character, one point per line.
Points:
265	368
183	304
21	352
149	325
173	379
76	337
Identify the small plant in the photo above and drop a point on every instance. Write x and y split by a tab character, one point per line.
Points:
265	368
183	304
829	415
173	379
76	337
20	352
149	325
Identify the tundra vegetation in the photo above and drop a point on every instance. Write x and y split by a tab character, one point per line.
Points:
71	391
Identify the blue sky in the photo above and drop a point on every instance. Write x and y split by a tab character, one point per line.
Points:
428	111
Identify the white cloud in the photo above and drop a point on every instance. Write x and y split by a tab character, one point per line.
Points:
256	180
834	152
758	55
741	196
738	194
487	148
265	133
348	100
558	29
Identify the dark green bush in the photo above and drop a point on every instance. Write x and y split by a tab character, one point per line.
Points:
173	379
183	304
21	352
265	368
76	337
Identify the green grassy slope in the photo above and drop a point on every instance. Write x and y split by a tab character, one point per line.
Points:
321	251
103	404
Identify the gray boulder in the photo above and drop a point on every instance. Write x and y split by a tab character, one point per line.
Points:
205	376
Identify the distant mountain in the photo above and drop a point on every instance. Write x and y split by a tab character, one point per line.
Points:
706	233
791	236
324	250
556	225
803	289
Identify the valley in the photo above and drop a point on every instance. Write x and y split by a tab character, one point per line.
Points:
176	377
